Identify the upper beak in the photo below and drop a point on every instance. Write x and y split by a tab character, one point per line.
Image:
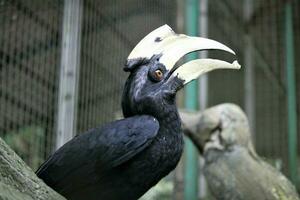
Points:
171	47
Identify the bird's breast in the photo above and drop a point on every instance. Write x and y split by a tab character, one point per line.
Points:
159	159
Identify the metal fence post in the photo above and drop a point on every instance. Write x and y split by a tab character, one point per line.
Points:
203	86
291	92
249	70
69	71
191	103
203	32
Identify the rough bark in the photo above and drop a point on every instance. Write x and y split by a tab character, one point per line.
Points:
18	181
236	175
233	169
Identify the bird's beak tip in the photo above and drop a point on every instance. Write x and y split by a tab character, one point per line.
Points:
236	65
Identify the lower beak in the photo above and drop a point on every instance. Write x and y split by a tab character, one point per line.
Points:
195	68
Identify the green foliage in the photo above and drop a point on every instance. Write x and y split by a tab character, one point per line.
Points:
28	143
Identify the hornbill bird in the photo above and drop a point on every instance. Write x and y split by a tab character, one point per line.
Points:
125	158
232	168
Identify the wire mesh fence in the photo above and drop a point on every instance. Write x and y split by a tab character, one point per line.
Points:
266	29
110	31
30	62
29	59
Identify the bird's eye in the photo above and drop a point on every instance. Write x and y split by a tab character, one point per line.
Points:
158	74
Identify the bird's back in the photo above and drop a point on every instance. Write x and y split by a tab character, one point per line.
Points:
122	160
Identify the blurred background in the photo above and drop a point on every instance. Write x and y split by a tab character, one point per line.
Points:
61	70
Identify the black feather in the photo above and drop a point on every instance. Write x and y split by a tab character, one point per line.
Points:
127	157
102	148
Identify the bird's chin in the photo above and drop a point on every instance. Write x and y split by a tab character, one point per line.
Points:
170	97
173	84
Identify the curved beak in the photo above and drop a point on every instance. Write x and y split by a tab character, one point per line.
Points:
195	68
171	47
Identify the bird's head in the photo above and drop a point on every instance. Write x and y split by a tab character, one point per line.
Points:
154	78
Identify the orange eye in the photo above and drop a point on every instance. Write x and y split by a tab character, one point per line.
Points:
159	75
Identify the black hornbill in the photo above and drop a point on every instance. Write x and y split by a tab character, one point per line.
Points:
125	158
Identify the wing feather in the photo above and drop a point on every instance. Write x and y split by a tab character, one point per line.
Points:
82	159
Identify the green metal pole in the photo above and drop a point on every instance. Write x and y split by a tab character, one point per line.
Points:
291	92
191	103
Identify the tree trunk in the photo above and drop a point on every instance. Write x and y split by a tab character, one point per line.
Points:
18	181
